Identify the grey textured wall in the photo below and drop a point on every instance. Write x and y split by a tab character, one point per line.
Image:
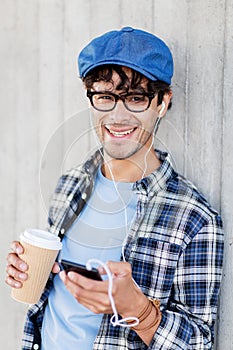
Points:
40	91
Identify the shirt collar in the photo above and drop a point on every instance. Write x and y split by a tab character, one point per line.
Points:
157	180
149	185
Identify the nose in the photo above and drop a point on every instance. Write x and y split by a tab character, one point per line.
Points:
119	113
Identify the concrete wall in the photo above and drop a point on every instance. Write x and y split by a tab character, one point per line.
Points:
43	112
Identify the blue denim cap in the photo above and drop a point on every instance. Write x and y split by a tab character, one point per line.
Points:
133	48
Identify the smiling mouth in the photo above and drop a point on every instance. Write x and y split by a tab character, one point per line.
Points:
120	133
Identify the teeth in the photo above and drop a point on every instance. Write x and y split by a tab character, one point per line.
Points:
121	133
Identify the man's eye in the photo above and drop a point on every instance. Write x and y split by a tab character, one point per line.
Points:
104	98
136	98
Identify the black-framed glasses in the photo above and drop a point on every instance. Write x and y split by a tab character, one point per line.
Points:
134	102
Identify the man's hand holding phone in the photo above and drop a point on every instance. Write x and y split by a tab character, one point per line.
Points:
93	294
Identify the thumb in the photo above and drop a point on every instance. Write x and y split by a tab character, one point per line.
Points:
56	268
119	269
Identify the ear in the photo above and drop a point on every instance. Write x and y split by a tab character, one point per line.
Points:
162	108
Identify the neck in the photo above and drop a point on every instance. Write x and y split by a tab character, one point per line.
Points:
130	169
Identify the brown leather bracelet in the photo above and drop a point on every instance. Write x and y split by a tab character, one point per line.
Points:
154	303
145	313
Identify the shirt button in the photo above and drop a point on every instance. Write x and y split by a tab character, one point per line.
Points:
84	196
70	197
35	346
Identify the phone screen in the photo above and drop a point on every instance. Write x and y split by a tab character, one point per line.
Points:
81	269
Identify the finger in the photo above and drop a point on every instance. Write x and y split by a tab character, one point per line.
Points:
100	305
88	283
56	268
70	285
83	288
63	276
16	274
16	247
12	282
119	269
15	261
96	301
102	270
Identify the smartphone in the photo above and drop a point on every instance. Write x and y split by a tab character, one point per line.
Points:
81	269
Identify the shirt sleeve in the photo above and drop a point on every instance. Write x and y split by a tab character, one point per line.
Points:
188	320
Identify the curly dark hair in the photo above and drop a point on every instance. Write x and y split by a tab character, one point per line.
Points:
105	72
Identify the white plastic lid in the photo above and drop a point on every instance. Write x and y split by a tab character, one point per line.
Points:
41	239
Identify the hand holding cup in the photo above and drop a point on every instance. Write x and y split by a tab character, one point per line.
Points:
16	268
35	255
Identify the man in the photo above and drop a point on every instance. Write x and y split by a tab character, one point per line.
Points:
127	205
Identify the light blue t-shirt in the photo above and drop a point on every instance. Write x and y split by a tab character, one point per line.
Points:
97	233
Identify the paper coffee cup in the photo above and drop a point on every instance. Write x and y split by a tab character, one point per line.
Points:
40	251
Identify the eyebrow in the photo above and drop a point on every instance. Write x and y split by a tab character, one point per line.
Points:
138	90
124	91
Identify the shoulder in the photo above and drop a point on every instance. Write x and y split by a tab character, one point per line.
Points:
68	181
71	187
194	211
187	192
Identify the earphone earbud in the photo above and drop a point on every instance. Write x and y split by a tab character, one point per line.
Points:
162	109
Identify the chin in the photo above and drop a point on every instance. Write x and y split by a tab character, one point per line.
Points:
121	154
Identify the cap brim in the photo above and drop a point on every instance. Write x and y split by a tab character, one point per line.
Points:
121	63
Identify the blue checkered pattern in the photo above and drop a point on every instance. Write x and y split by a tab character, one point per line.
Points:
175	247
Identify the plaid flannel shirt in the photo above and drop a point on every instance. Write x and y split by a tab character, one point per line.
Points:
175	247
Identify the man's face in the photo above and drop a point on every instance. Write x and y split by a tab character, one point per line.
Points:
123	133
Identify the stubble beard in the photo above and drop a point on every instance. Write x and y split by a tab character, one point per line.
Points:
120	151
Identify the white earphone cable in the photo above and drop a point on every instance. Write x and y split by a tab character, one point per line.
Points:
115	321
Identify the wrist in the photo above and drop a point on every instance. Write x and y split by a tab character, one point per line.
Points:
149	317
139	301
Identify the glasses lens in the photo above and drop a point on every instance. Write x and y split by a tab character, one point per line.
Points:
137	102
103	101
